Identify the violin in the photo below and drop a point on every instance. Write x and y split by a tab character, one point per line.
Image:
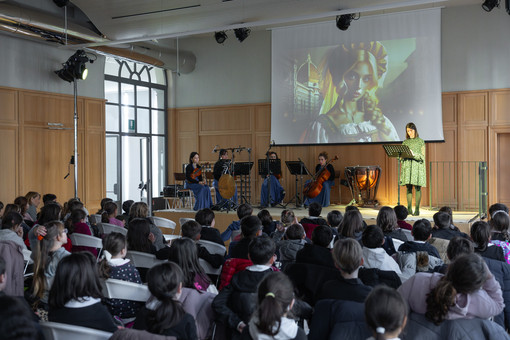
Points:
197	172
314	187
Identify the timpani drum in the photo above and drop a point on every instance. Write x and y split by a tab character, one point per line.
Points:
363	182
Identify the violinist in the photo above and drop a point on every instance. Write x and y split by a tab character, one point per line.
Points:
323	198
272	180
196	183
221	168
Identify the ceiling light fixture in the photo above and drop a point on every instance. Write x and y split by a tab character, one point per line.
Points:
74	67
242	33
488	5
220	37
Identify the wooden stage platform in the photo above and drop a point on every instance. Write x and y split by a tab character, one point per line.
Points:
460	218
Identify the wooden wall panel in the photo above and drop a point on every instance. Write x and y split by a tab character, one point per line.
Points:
449	104
10	171
9	107
502	166
94	115
263	118
39	109
500	108
473	108
94	189
236	119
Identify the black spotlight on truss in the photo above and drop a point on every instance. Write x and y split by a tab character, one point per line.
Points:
344	21
220	37
242	33
488	5
74	67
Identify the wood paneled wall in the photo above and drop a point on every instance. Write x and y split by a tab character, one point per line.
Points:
35	154
476	127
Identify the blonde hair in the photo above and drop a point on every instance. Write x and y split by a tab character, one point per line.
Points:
138	210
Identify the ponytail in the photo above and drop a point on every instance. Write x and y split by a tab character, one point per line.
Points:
108	210
43	256
113	244
164	281
439	301
275	296
385	311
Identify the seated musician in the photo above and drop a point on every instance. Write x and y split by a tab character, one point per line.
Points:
323	197
277	191
221	168
196	183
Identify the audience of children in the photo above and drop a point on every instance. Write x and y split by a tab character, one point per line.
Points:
243	210
275	299
268	225
235	304
141	210
114	265
75	296
205	217
422	231
68	284
348	258
387	221
191	229
467	290
334	218
76	224
317	252
401	212
33	199
109	214
481	236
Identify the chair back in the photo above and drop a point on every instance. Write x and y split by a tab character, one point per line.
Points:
95	218
234	234
179	176
161	222
183	220
397	243
107	228
408	234
143	260
27	258
86	241
62	331
208	269
124	290
213	247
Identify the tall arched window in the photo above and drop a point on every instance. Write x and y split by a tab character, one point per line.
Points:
135	123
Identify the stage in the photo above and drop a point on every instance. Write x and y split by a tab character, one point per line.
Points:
460	218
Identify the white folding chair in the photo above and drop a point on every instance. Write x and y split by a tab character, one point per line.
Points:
28	261
87	241
397	243
234	234
170	238
124	290
143	260
107	228
62	331
208	269
95	218
161	222
213	247
408	234
183	220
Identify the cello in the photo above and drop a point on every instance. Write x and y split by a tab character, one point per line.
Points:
314	187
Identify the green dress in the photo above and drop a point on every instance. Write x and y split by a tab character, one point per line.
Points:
413	170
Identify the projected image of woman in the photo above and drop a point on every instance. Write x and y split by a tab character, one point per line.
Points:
351	75
413	169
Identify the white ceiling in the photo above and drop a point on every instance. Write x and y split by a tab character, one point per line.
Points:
135	20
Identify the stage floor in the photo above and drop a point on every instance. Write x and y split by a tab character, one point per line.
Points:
460	218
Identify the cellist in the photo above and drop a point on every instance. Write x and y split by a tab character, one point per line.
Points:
197	184
324	196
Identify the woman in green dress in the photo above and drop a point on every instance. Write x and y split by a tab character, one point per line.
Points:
413	169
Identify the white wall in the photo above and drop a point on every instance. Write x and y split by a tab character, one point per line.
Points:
30	65
475	48
232	73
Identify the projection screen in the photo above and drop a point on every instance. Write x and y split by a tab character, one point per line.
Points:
362	85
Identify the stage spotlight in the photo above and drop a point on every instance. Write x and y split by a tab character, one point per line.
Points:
242	33
220	37
488	5
344	21
75	67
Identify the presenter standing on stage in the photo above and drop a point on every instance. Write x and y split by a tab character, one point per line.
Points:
196	183
277	191
413	169
323	198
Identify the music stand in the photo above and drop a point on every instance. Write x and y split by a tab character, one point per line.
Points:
243	169
399	151
297	168
267	167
